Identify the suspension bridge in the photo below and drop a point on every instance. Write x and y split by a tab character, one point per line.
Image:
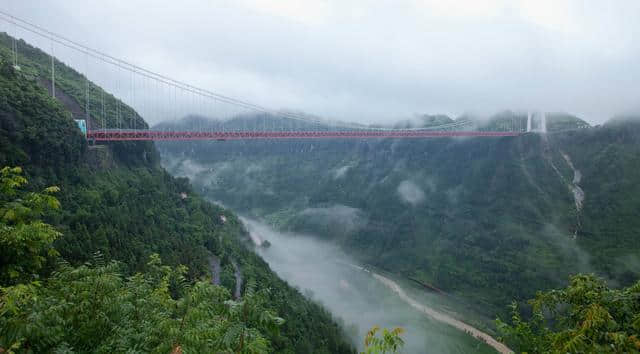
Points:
214	116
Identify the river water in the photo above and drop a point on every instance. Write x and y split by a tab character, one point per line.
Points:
356	297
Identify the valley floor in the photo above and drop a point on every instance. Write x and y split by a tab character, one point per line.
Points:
361	298
444	318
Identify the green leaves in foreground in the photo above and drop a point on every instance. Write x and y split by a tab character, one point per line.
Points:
94	308
25	241
586	317
390	341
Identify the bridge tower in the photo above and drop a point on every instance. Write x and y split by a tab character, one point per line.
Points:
541	120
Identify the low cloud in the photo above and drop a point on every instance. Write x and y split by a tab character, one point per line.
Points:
342	217
185	168
338	59
340	172
321	271
410	193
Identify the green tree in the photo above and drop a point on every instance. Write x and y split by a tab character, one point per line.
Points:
93	308
390	341
586	317
24	239
119	202
251	316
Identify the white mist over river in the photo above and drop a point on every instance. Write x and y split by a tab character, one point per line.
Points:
325	274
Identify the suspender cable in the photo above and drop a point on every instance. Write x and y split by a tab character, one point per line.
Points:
14	46
102	98
117	101
53	74
15	53
240	104
169	81
86	77
133	99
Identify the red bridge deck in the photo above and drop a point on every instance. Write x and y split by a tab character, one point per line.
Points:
117	135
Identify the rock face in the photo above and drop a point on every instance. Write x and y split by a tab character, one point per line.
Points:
214	263
578	193
100	157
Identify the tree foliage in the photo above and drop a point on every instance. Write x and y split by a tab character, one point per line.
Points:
128	209
496	217
95	308
585	317
25	240
390	341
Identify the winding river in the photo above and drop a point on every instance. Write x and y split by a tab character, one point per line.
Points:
360	299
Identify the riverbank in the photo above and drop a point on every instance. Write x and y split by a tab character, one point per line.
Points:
438	316
356	299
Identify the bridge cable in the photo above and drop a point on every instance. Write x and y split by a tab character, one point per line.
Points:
169	81
86	92
53	74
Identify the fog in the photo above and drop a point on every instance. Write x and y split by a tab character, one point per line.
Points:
342	217
410	193
325	274
341	171
371	61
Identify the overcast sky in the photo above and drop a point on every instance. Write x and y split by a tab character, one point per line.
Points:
371	61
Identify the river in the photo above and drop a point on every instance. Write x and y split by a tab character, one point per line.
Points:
361	299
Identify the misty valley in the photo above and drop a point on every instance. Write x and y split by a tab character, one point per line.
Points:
472	223
261	177
325	274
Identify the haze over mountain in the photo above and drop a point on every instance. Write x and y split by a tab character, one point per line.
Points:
462	174
371	62
488	220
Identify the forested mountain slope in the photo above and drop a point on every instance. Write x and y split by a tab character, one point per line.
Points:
490	219
118	201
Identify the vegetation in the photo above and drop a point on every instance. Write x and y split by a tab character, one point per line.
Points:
124	263
585	317
490	220
25	240
390	341
117	203
95	308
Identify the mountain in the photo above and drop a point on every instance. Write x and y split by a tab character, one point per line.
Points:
424	121
118	205
513	120
485	220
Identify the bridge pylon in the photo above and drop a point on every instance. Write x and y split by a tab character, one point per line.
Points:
541	120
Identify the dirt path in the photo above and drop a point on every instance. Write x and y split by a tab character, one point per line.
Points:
438	316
